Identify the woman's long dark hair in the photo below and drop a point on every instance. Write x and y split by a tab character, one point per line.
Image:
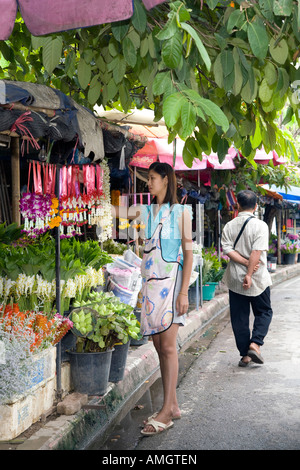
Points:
164	169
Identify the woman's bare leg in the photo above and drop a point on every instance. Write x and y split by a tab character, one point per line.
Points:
166	346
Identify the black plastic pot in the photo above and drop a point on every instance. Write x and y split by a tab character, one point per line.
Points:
90	371
118	362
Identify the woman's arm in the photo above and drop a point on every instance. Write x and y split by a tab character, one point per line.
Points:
185	226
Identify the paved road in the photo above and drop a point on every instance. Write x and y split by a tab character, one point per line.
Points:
225	407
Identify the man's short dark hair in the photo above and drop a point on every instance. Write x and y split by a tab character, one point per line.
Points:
247	199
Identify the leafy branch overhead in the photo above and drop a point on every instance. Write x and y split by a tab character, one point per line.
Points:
219	73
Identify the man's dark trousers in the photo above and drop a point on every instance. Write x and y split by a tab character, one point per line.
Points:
240	318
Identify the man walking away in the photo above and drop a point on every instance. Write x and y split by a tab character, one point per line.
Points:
245	240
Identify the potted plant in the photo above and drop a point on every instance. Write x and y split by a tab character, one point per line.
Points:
100	324
212	274
290	249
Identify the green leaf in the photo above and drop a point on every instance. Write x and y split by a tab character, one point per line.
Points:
169	29
209	108
280	52
84	73
70	64
94	90
238	75
258	38
139	17
266	7
188	119
257	137
119	29
270	73
119	70
218	71
129	52
190	151
161	82
172	108
283	7
288	116
37	41
199	44
172	51
228	69
52	51
212	3
265	93
236	18
222	149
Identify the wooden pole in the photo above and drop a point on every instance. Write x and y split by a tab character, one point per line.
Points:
15	177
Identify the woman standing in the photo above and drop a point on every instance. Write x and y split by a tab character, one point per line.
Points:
166	270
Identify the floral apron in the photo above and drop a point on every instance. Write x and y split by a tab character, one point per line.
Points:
159	282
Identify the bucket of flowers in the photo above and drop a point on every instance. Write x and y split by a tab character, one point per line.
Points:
290	248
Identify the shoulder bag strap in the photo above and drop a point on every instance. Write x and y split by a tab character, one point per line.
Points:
242	229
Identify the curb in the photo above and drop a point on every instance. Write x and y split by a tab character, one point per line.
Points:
142	369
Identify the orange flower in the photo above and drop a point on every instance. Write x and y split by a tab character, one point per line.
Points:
55	222
232	4
54	203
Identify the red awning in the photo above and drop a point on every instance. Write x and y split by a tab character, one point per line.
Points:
159	149
45	17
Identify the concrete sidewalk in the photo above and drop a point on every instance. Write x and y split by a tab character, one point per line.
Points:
68	432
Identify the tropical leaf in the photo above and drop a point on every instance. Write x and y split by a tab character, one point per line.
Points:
172	108
258	38
84	73
172	51
199	44
52	51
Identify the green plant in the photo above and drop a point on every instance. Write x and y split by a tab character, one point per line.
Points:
212	270
9	233
103	321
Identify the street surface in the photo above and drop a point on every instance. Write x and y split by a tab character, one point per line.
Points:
226	407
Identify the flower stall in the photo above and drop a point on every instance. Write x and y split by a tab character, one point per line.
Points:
46	268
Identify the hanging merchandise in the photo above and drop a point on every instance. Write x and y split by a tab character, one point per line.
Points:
39	208
84	199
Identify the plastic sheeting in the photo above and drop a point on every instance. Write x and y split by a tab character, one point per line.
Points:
70	121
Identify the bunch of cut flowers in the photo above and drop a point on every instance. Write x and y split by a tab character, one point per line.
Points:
290	244
40	330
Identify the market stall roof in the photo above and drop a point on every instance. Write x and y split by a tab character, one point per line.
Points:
290	195
45	17
262	157
159	149
34	111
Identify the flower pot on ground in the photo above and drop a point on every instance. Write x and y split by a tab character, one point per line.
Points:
212	274
118	362
208	290
289	258
271	263
99	324
90	371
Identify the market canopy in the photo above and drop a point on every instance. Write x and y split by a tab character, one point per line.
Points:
45	17
290	195
160	150
262	157
33	111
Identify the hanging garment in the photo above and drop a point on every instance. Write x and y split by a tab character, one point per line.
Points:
160	279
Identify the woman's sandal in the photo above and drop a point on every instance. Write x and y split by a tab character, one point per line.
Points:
156	426
154	416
